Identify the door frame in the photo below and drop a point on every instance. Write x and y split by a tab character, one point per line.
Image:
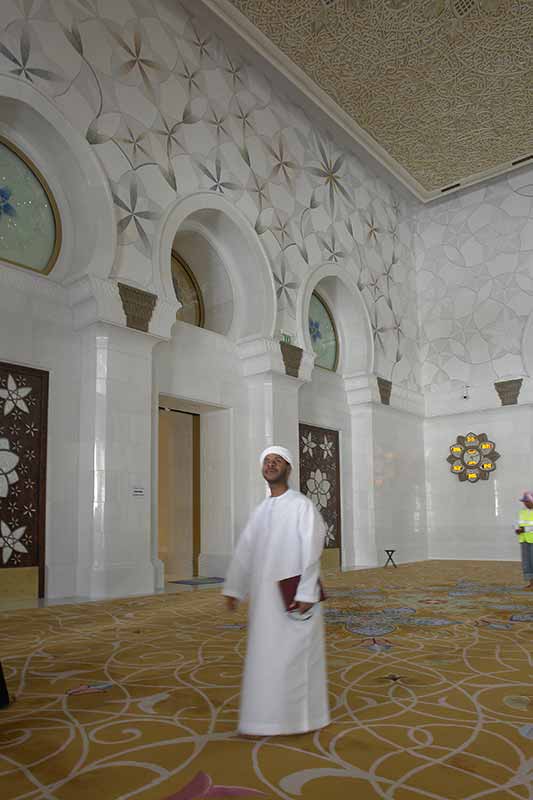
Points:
196	496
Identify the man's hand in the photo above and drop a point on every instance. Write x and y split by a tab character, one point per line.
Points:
302	607
231	603
519	530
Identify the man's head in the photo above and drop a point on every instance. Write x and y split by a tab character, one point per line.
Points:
276	464
527	499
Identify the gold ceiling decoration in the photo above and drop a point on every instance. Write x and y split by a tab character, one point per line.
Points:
444	86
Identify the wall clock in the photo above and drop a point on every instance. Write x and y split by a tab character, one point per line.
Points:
473	457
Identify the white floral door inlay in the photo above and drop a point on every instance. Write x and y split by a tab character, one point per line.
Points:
8	462
10	541
13	396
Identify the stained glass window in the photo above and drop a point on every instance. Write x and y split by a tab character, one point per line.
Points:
323	334
188	292
30	228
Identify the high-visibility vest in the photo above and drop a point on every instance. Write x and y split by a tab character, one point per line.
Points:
525	521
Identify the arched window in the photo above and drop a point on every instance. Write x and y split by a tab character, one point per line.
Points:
30	226
188	292
323	334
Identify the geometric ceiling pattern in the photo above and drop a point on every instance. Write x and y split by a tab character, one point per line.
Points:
445	87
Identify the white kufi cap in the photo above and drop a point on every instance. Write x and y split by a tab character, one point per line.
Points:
277	451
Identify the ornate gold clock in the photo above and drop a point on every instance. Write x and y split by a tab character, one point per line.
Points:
473	457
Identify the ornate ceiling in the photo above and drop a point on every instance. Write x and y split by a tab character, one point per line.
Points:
440	91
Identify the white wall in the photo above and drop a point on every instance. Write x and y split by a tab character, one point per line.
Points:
209	270
302	219
400	485
474	285
476	521
474	255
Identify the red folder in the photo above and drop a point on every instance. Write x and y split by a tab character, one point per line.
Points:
289	588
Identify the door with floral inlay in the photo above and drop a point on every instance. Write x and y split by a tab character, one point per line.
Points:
23	431
320	478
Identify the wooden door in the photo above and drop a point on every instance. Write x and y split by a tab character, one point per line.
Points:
23	435
320	480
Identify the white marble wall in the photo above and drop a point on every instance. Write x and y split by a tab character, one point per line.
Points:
474	255
399	485
476	521
170	110
212	277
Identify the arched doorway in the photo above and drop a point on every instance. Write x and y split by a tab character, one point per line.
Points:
199	373
333	323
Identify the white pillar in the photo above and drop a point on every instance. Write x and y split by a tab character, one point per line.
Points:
273	406
114	488
361	393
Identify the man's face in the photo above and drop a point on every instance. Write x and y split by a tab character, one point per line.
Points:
528	503
275	469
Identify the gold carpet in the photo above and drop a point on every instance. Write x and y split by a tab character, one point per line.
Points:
430	678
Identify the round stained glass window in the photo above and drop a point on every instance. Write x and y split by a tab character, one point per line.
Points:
323	334
30	227
188	293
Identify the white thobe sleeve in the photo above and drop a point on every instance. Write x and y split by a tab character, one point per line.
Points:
312	532
237	583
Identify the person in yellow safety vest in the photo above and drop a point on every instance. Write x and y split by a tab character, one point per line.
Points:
525	537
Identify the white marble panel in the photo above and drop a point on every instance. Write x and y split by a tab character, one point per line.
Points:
476	521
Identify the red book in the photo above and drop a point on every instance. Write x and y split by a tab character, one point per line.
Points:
289	589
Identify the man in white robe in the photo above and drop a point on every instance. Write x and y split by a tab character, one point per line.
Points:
284	688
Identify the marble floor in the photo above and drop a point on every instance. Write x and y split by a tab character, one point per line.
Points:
15	603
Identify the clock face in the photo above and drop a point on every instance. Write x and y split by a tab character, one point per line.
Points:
472	457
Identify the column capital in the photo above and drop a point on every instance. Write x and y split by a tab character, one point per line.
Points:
361	389
259	356
95	299
364	389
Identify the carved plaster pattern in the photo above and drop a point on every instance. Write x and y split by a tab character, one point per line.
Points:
474	256
170	110
138	306
292	358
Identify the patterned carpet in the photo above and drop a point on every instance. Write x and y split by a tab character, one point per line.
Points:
430	669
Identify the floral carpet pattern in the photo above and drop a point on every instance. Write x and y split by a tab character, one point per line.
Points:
430	678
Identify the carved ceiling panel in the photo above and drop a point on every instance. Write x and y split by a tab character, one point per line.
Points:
444	86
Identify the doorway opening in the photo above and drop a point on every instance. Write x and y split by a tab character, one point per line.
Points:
179	522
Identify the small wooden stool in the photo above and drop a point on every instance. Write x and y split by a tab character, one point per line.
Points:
390	559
